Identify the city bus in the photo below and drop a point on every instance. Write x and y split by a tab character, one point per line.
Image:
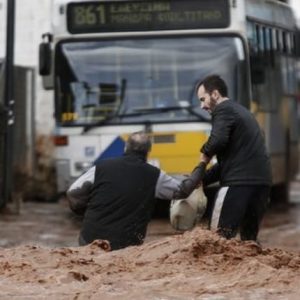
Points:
117	67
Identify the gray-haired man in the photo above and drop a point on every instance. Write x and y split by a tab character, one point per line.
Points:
117	196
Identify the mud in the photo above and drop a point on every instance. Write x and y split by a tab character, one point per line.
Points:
39	260
197	264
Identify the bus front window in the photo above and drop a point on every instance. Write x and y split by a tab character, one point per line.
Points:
142	79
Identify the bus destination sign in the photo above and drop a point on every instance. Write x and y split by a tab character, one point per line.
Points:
120	16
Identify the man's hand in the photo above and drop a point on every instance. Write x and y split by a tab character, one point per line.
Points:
188	185
78	206
204	158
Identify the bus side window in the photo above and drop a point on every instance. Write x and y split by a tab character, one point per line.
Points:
267	45
252	39
291	69
279	41
293	44
272	48
261	40
265	41
274	40
258	39
289	43
257	59
284	43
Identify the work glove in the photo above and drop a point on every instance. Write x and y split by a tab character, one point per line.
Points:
190	183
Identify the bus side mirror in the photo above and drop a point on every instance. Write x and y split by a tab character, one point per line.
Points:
45	56
44	59
257	70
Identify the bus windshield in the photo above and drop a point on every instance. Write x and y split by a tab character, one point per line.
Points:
138	80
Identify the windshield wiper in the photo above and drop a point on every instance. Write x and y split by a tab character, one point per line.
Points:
147	111
189	108
104	121
157	109
113	116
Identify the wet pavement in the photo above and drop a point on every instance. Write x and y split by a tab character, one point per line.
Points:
54	225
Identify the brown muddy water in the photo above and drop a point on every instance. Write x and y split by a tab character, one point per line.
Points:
39	259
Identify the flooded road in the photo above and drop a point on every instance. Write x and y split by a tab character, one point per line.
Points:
39	259
54	225
281	226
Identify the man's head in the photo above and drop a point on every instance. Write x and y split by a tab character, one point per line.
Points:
138	143
211	91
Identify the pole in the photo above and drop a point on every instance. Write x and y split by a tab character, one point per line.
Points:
8	105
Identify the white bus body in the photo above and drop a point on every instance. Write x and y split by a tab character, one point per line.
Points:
122	66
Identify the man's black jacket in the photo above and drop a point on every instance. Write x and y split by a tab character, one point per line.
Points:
121	202
237	141
117	197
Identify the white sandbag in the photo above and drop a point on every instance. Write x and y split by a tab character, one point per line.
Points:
185	213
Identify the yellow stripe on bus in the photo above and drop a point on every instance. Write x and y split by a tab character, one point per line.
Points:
176	152
181	155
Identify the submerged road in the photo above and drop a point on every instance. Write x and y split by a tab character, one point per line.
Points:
53	225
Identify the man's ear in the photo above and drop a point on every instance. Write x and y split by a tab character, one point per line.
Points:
216	94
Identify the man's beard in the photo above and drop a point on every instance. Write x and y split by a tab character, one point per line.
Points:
213	103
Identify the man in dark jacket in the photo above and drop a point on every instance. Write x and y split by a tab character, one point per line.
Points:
243	166
117	196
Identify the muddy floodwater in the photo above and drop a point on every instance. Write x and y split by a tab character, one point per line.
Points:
39	259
